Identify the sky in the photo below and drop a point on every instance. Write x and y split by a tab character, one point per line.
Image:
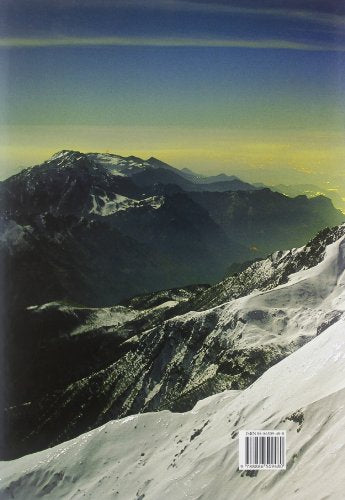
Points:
253	88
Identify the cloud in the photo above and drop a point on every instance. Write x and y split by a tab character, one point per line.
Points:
134	41
308	15
320	13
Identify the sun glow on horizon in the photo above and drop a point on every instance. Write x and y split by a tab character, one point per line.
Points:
267	155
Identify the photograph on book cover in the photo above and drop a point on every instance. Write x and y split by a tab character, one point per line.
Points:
172	249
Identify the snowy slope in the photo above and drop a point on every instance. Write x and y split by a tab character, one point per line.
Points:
266	274
174	364
168	361
194	455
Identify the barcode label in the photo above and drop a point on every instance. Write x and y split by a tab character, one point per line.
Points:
262	450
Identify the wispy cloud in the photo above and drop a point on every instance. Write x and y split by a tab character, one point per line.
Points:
304	12
163	42
309	15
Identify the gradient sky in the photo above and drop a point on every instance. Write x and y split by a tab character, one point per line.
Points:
255	88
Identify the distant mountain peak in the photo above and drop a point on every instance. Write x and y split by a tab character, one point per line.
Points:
135	158
64	152
158	163
190	174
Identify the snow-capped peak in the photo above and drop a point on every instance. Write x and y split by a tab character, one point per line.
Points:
126	166
63	153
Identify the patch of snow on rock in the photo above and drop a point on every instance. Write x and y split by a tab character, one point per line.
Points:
104	206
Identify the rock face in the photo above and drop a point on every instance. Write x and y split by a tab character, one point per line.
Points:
167	350
195	454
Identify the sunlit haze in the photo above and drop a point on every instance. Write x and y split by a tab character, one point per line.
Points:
254	89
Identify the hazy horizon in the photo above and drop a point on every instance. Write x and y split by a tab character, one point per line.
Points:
254	89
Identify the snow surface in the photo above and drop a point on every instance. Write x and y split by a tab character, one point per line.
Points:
118	165
287	315
103	205
111	161
61	154
116	316
194	455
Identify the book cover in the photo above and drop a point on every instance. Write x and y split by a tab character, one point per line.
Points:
172	249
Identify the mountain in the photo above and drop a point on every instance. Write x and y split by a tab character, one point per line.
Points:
126	165
73	229
153	171
195	453
165	350
209	179
100	261
67	184
190	174
264	220
311	191
150	176
265	274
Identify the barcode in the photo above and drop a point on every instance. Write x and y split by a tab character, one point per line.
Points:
262	450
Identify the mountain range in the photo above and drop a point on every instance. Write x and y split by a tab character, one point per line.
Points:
311	190
148	314
95	229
